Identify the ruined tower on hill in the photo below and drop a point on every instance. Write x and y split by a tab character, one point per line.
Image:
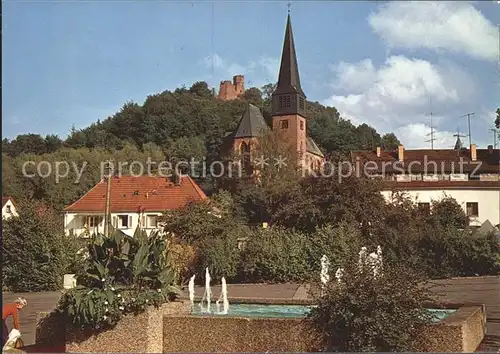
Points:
231	90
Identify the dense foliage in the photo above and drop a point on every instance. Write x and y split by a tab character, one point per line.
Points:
35	252
363	312
312	217
122	275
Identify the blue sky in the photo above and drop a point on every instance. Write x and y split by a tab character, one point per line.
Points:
387	64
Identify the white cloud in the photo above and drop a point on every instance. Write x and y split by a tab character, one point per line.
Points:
397	96
445	25
417	136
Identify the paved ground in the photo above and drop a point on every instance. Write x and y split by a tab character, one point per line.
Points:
481	290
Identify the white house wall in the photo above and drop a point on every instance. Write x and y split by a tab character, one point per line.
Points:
74	222
488	201
5	208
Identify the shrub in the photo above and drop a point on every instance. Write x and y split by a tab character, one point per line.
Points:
364	313
448	252
276	255
36	253
184	259
123	275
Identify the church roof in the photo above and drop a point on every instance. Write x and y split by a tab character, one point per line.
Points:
313	148
251	124
289	80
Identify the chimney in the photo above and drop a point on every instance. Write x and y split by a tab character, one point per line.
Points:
473	153
401	152
378	151
490	149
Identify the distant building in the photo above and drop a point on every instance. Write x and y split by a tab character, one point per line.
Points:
232	90
134	201
470	176
289	116
8	208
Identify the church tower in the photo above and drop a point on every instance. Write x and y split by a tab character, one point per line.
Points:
288	100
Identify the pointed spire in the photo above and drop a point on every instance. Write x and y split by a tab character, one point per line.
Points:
289	80
458	144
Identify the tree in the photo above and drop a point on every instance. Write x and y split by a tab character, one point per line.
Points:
267	91
369	138
201	89
36	254
253	96
497	120
364	312
390	142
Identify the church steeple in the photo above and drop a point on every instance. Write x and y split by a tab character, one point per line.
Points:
289	98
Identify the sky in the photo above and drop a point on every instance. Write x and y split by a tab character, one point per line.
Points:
386	64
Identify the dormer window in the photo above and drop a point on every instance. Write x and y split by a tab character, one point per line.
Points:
301	103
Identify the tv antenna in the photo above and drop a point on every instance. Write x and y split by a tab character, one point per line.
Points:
432	133
468	115
495	134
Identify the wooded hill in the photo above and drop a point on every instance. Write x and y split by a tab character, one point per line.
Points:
185	123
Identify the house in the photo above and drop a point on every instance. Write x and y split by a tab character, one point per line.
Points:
470	176
134	201
8	208
289	116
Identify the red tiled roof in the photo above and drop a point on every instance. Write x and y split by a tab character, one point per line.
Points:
394	185
6	199
131	194
446	160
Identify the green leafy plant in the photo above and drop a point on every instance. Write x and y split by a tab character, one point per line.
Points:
123	275
367	313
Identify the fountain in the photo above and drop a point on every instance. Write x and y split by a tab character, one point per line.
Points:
339	273
362	256
325	263
223	298
207	294
191	290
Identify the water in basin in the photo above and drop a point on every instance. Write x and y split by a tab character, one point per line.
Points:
289	311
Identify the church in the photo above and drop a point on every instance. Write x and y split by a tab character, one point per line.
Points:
289	116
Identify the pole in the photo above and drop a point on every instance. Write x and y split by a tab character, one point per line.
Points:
468	120
468	115
108	202
494	137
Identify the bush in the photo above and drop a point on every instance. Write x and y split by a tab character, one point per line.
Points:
276	255
364	313
123	275
36	253
451	252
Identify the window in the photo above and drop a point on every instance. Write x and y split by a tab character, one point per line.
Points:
284	124
301	125
472	209
9	209
152	221
301	102
425	208
93	221
124	221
